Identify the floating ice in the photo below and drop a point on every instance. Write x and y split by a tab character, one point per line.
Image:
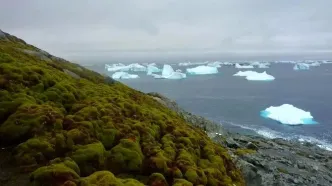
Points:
301	66
288	114
314	64
260	77
255	76
137	67
151	68
216	64
245	73
169	73
243	66
192	63
121	67
124	75
200	70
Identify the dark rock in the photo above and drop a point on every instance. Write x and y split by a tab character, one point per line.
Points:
2	34
251	146
231	143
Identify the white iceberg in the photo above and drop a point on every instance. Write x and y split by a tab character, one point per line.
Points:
288	114
124	75
244	73
192	63
255	76
200	70
169	73
301	66
263	66
137	67
243	66
314	64
152	69
121	67
216	64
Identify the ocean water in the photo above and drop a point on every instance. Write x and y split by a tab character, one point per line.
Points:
236	103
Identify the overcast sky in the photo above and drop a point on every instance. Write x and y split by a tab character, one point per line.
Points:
150	29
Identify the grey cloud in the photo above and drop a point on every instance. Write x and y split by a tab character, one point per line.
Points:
83	29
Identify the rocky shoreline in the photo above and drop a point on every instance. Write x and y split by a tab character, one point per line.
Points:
266	162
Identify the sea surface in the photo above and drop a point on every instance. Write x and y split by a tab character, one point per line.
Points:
236	103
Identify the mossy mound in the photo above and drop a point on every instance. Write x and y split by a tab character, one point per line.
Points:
51	110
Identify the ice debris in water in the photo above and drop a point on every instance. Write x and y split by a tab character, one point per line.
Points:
288	114
216	64
255	76
301	66
124	75
237	65
192	63
121	67
152	68
169	73
200	70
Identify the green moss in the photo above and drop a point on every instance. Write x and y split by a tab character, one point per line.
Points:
181	182
54	174
191	176
108	137
89	157
242	152
282	170
34	151
106	178
126	156
157	179
83	115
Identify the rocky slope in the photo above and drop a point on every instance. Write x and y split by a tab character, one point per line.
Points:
61	124
267	162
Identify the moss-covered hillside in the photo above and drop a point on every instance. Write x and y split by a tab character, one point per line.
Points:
71	126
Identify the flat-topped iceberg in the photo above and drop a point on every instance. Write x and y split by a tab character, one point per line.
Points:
288	114
200	70
301	66
255	76
124	75
237	65
152	68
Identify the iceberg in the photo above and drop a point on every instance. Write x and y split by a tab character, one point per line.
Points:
243	66
137	67
169	73
124	75
152	69
121	67
194	63
301	66
314	64
255	76
216	64
200	70
244	73
288	114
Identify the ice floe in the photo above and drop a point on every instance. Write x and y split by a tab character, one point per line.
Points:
237	65
124	75
200	70
288	114
301	66
255	76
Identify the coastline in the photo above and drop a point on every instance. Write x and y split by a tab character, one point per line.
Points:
265	161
